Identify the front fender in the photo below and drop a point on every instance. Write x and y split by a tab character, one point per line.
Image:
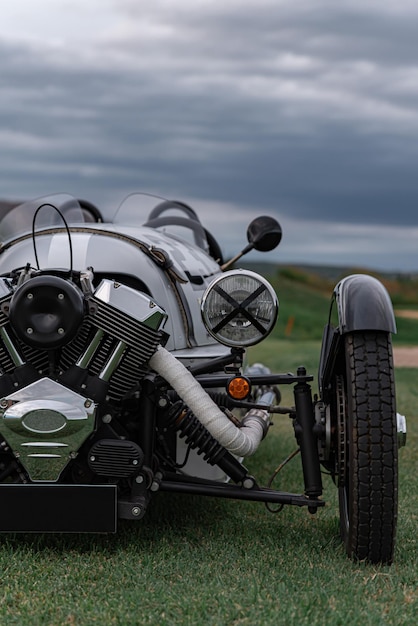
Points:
363	303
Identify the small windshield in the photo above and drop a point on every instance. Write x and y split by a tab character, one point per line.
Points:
135	209
19	220
170	216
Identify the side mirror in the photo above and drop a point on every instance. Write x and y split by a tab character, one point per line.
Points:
264	234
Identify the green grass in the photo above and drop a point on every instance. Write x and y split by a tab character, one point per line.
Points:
303	307
305	298
407	332
198	560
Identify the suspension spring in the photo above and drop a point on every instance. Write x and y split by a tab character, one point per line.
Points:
182	419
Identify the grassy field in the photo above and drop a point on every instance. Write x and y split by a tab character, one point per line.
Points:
198	560
305	298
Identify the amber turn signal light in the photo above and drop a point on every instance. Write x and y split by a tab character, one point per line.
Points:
238	388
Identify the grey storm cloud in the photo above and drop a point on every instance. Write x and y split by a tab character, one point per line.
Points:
308	110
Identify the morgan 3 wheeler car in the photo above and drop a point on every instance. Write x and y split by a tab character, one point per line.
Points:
123	372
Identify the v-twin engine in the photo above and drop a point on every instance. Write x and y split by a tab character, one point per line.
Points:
66	348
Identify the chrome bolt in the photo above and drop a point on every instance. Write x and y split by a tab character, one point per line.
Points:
92	458
162	402
88	404
106	419
136	511
61	331
61	296
29	296
135	462
3	403
29	330
155	485
139	479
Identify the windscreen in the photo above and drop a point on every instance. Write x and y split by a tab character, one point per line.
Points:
40	214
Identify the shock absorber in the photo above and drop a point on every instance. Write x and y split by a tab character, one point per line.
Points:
196	436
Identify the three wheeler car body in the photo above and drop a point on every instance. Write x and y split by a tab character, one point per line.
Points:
123	373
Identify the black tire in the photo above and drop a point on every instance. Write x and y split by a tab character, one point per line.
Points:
368	450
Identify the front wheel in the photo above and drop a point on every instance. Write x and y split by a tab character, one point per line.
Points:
367	466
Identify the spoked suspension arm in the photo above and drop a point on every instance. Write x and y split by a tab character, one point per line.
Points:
179	484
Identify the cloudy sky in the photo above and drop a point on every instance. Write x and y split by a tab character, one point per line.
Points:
303	109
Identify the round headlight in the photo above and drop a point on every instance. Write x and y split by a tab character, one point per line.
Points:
239	308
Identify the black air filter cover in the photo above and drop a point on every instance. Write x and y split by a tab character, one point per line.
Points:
46	311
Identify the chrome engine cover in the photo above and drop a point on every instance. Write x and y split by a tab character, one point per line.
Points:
45	424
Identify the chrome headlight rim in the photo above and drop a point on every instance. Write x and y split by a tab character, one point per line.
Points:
257	331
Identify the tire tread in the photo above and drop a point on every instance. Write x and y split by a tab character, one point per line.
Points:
373	448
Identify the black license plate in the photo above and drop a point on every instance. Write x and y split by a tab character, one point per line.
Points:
58	508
